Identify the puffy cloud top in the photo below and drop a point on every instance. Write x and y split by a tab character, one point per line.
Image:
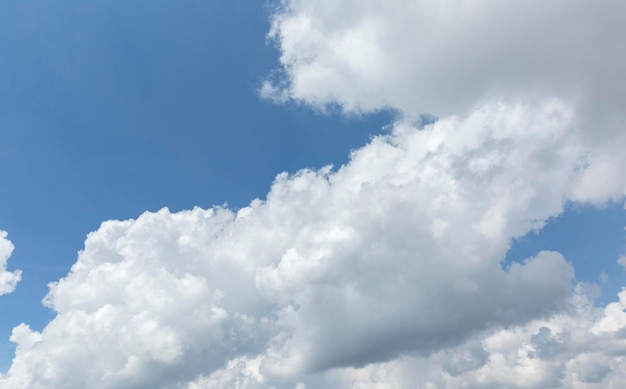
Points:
446	57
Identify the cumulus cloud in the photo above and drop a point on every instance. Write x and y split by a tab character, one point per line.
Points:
8	279
445	57
399	252
448	57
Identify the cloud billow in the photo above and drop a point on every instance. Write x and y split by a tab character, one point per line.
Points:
447	57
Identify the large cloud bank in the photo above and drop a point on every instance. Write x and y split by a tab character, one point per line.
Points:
396	253
385	272
8	279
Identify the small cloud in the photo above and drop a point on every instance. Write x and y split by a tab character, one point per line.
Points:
276	94
8	279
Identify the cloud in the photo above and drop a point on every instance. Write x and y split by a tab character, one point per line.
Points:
8	280
449	57
445	57
399	252
565	351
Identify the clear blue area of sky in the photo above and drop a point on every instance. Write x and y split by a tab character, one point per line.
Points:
591	238
111	108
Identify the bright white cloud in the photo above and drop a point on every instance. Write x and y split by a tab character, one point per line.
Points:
448	57
445	57
398	252
8	279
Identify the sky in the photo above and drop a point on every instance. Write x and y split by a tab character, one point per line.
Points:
304	194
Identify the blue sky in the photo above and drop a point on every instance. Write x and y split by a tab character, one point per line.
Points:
110	109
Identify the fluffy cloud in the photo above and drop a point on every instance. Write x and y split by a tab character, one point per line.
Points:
445	57
448	57
396	253
8	280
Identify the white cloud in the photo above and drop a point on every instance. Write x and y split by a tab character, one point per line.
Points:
445	57
448	57
622	261
398	252
8	280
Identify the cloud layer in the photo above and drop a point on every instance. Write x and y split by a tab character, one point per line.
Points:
8	279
